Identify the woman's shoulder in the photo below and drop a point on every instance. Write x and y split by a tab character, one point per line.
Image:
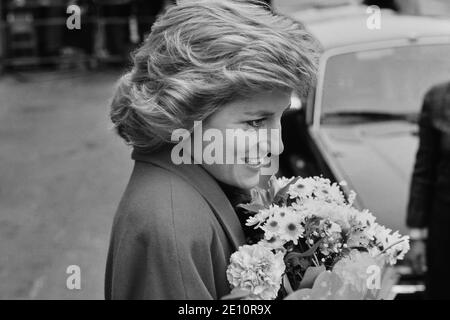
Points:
158	200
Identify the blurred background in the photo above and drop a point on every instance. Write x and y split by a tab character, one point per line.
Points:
62	170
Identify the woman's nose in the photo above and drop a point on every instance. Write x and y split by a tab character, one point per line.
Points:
273	144
276	141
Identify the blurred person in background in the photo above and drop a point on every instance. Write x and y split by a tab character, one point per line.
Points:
116	15
429	203
78	44
146	13
126	23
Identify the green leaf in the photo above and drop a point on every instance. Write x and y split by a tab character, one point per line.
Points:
260	200
251	207
236	294
307	253
282	193
304	263
310	276
287	284
326	287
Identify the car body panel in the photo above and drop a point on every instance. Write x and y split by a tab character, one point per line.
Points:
369	159
376	159
353	30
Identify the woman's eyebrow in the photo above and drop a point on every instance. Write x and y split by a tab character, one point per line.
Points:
260	113
263	113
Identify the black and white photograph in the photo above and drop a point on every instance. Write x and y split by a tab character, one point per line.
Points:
233	151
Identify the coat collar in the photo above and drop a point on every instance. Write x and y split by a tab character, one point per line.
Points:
206	185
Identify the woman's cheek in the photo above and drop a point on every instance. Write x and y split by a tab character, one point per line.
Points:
240	144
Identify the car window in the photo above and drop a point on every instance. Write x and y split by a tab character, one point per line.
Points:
392	80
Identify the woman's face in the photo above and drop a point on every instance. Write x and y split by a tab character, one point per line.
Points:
248	134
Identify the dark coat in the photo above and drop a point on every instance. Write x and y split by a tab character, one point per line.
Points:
173	234
430	184
429	204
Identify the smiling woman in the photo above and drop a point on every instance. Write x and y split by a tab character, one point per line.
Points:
230	65
236	143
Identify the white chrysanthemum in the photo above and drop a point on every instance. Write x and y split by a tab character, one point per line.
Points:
280	212
358	239
279	183
393	245
284	224
334	228
301	207
336	193
329	211
363	228
291	228
272	225
257	269
272	228
400	250
351	197
329	193
253	220
365	218
274	243
397	248
259	218
302	188
382	235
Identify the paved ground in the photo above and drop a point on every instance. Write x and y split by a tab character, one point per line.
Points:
61	172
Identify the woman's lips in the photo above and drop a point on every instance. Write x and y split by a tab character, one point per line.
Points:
257	162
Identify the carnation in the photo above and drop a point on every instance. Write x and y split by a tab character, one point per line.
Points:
258	270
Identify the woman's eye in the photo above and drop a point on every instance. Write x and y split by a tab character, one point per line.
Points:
255	123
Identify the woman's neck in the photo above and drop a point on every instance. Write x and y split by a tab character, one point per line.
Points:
234	194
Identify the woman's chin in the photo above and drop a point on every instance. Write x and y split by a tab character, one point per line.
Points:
240	176
247	178
248	183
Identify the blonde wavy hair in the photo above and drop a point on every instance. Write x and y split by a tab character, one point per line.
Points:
201	55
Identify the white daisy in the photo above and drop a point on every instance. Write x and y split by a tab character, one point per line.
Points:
291	229
302	188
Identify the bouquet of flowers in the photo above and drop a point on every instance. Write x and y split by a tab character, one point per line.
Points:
313	244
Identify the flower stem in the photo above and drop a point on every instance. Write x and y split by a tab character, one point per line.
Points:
394	244
317	260
314	257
